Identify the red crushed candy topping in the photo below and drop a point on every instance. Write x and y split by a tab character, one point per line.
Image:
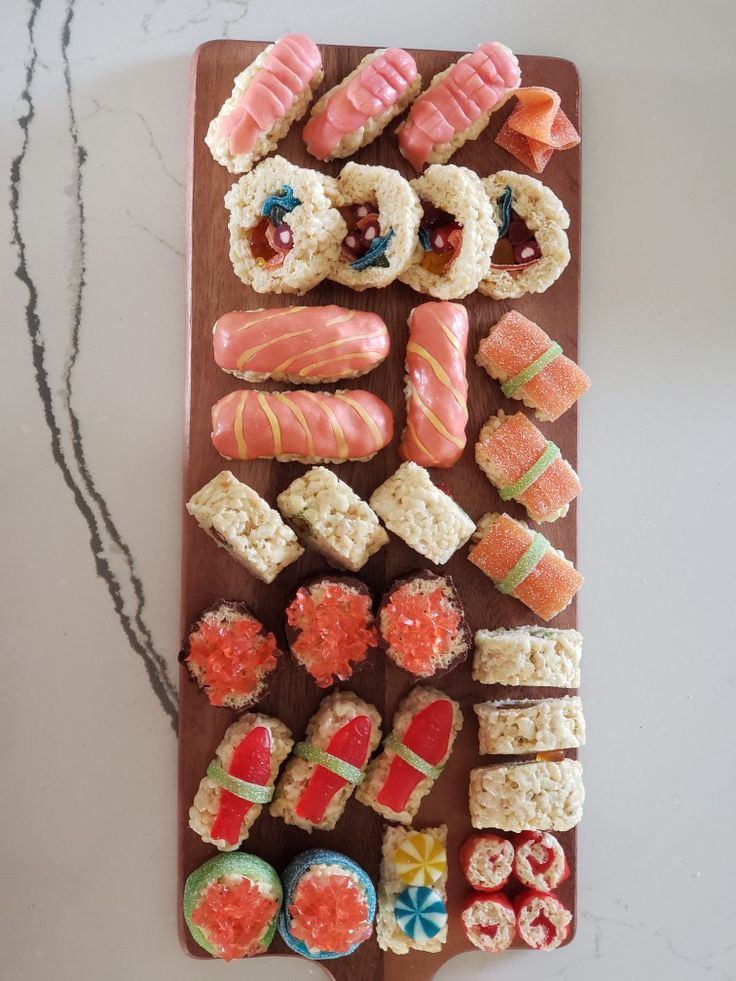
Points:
421	627
329	914
335	633
234	918
233	657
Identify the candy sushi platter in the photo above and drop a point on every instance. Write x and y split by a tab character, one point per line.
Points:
380	667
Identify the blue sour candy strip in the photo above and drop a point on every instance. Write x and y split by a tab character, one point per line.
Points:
424	239
505	212
286	200
377	249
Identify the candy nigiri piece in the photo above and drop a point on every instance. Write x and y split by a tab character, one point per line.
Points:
536	128
522	563
531	367
458	104
357	110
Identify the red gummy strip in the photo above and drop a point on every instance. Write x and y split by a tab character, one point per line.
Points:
428	736
350	743
252	762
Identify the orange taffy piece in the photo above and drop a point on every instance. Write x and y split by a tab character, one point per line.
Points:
536	128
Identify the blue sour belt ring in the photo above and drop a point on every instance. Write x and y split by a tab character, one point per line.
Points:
505	206
276	206
420	913
376	254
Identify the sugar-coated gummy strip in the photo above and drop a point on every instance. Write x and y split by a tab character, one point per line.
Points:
524	566
253	792
514	384
306	751
548	457
410	757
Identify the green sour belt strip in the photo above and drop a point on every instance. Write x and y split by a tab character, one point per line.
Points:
551	452
410	757
254	792
513	384
525	565
306	751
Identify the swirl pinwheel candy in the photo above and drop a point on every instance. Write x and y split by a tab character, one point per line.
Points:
458	104
311	427
542	920
489	921
268	96
486	860
539	861
522	563
536	128
436	385
239	780
357	110
326	767
526	467
535	795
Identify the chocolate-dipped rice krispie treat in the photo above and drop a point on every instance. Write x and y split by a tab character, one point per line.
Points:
531	726
539	795
421	624
531	655
285	234
240	780
326	767
331	518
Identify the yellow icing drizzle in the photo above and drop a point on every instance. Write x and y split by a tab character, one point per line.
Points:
238	427
247	355
441	429
437	369
300	418
325	347
367	419
413	433
271	316
273	423
342	445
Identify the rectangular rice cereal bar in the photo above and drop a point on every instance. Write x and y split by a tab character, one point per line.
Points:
532	726
533	656
533	796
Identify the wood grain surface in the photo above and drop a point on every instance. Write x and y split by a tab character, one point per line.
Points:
208	573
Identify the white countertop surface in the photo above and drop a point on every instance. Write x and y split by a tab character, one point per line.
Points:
94	124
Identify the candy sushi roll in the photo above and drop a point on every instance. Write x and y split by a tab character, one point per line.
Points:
532	249
412	894
522	563
269	95
539	795
456	233
326	767
526	467
331	518
539	861
242	523
542	920
230	655
357	110
486	860
231	905
533	656
381	212
329	626
301	345
422	626
413	756
285	234
532	726
239	780
531	367
329	905
421	514
436	385
458	104
489	921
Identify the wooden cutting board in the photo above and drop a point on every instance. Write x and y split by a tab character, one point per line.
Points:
209	574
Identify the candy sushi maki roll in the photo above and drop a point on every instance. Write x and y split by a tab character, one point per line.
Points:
539	861
534	656
231	904
533	795
487	861
268	96
422	624
542	920
239	780
381	212
489	921
329	905
530	726
285	234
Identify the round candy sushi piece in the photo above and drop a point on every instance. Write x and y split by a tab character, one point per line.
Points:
487	861
539	861
489	921
231	904
230	655
420	913
542	921
329	905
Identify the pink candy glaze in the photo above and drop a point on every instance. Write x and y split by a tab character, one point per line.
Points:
370	93
290	66
474	86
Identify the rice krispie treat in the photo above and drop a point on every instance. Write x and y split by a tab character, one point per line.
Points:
530	726
542	920
422	515
532	656
284	232
242	523
331	518
532	796
489	921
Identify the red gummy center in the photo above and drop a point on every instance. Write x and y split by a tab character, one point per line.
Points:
233	657
234	918
252	762
490	930
329	914
428	736
422	626
550	930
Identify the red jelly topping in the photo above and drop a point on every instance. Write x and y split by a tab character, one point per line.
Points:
421	627
350	743
329	913
336	631
234	918
548	927
490	930
364	224
445	237
233	657
252	762
428	736
268	245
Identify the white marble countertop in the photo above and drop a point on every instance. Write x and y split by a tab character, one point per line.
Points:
94	122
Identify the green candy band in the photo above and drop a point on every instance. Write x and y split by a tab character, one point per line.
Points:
254	792
509	387
410	757
551	452
306	751
524	566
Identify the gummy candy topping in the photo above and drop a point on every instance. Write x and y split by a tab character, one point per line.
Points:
428	736
421	627
335	630
329	913
234	917
517	246
252	762
233	657
441	238
350	743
